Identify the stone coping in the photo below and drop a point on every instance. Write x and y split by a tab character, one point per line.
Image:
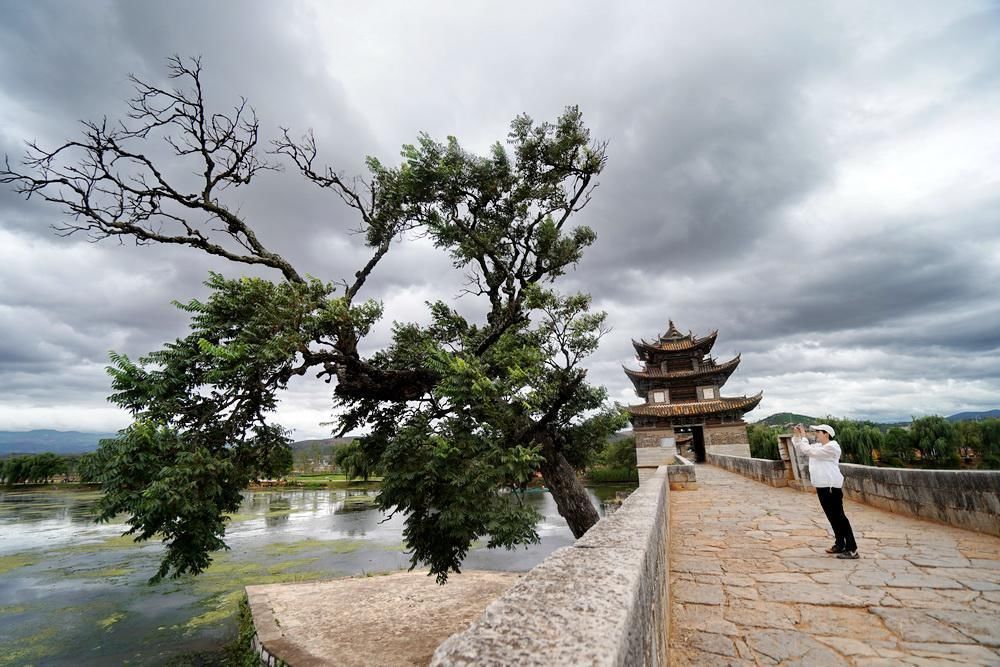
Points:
683	474
602	601
768	471
967	499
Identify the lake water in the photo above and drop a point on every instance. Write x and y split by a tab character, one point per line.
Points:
73	592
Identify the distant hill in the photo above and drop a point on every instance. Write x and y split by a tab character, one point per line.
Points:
974	416
322	442
782	418
58	442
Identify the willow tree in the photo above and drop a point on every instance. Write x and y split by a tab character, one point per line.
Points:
459	414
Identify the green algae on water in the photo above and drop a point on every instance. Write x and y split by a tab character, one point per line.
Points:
31	649
13	610
15	561
106	623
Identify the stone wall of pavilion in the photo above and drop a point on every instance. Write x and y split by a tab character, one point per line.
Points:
649	454
652	437
728	439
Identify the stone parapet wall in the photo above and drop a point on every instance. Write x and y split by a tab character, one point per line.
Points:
763	470
682	475
602	601
964	498
742	450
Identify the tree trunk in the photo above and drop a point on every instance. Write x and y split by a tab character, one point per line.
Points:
570	495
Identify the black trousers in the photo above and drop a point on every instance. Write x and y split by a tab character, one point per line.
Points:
832	500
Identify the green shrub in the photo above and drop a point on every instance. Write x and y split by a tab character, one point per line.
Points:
608	474
937	441
763	442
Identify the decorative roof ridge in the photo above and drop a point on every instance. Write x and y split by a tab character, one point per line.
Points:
708	370
673	333
721	399
744	403
682	343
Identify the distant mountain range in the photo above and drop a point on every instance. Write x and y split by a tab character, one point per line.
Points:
76	442
782	418
974	416
322	443
58	442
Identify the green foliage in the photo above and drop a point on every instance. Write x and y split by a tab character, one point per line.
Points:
239	652
615	462
88	468
936	439
763	442
352	460
172	487
461	415
970	438
201	407
612	474
32	469
859	440
457	462
619	453
897	447
989	430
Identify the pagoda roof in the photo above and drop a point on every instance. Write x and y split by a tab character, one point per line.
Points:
743	404
648	373
676	343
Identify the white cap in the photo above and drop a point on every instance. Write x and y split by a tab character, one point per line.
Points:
823	427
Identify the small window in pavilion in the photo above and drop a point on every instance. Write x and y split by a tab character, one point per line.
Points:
659	397
708	393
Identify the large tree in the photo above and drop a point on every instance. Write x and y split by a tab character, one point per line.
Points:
460	415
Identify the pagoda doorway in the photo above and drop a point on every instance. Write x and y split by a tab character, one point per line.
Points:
697	440
698	435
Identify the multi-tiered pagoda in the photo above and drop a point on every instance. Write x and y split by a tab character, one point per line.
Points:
680	384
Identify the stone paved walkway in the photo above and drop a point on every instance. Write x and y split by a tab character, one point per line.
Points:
751	584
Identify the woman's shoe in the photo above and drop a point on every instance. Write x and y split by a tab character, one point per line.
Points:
836	549
849	555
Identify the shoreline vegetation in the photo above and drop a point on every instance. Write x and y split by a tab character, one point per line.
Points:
927	443
932	443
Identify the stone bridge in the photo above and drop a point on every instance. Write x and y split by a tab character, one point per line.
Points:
750	583
724	571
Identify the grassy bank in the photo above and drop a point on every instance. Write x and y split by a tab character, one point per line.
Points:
321	481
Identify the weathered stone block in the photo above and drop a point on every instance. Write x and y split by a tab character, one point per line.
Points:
602	601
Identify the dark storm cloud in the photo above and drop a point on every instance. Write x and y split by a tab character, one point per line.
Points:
809	179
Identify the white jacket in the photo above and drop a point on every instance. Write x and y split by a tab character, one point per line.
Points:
824	462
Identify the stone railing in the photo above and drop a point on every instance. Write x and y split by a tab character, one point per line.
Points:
762	470
682	474
964	498
602	601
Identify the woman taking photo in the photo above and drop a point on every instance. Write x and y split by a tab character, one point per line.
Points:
824	472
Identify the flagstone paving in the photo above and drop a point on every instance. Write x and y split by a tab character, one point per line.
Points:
751	583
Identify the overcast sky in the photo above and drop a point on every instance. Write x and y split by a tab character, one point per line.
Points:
818	181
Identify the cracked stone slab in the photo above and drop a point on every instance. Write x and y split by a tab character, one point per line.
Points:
689	592
937	570
984	628
917	626
787	645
